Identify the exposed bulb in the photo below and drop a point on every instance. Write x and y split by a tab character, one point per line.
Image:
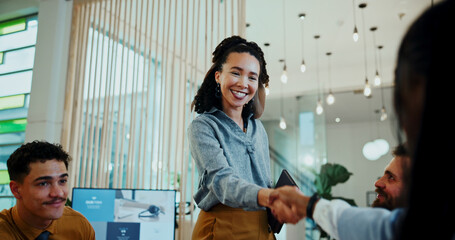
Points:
330	98
367	89
319	108
282	123
383	114
284	76
267	90
355	35
377	79
302	66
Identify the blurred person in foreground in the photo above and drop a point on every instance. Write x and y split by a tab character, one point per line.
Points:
424	85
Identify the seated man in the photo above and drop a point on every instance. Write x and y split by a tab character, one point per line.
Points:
390	186
39	173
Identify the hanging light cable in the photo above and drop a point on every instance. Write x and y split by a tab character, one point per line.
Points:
377	78
302	65
319	107
330	98
284	75
367	88
383	110
267	89
355	35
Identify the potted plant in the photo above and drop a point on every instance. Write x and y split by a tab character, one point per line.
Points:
330	175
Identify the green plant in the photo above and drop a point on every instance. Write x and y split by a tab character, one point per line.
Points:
329	176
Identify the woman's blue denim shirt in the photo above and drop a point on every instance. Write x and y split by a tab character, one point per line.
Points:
232	165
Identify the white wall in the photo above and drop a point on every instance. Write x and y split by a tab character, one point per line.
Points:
45	116
344	146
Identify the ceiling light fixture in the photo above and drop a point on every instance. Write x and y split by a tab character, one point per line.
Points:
284	75
355	35
383	110
367	87
282	121
330	98
302	65
319	108
377	78
267	89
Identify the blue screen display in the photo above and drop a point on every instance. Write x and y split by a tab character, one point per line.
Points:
127	213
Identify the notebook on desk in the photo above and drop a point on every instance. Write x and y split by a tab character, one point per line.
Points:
284	179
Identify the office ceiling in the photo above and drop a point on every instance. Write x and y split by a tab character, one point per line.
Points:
277	22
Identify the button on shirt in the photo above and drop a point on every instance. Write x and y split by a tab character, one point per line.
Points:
233	165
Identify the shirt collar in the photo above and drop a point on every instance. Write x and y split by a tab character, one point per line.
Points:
215	109
29	231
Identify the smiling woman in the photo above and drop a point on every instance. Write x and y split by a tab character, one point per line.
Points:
230	146
238	83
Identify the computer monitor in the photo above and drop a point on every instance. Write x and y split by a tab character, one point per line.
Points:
131	214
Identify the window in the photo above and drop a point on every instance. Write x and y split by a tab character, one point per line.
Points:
17	52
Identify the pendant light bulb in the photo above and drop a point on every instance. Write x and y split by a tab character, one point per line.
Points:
377	79
302	66
267	90
355	35
330	98
367	89
319	108
282	123
284	75
383	114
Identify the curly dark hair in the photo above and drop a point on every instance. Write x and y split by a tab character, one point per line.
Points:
19	162
205	98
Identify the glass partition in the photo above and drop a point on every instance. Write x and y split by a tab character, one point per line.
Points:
300	147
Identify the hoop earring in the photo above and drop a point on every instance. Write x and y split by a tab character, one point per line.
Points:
218	91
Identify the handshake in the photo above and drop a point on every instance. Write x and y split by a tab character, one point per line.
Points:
287	203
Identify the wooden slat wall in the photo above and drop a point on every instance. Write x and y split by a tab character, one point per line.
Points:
135	66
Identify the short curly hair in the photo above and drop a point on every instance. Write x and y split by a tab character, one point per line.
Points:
205	98
19	161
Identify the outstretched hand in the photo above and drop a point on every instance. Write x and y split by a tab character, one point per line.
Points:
286	215
288	198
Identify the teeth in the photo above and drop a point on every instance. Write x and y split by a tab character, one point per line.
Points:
238	94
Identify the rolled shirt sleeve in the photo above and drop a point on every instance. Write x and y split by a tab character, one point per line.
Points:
342	221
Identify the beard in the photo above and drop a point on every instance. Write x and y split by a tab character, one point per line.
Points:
388	202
